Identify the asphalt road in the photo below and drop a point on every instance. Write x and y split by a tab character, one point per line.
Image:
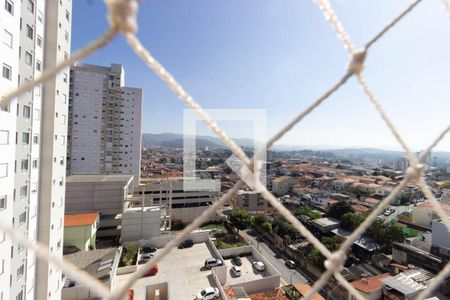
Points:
287	275
398	209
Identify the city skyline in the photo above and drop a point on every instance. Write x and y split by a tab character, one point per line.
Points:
282	56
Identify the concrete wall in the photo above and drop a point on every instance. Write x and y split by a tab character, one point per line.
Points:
423	217
141	223
260	285
105	197
440	235
219	282
230	252
126	270
188	214
161	241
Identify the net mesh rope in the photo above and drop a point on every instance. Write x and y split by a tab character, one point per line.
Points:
122	18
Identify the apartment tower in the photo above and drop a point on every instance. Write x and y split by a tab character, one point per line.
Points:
35	35
104	122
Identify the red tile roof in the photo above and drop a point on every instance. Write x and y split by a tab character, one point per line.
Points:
369	285
304	288
360	208
276	294
80	219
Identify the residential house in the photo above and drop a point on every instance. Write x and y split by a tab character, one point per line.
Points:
370	288
252	202
80	230
302	289
282	185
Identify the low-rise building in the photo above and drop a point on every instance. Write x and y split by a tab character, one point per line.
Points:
252	202
371	288
439	234
101	264
325	225
424	214
406	285
302	289
105	194
141	223
80	230
282	185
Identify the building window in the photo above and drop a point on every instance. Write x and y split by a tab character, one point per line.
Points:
65	78
61	160
26	112
7	72
37	91
37	114
7	38
40	17
39	41
25	138
9	6
3	202
28	58
66	36
20	271
30	6
61	181
35	163
34	187
3	170
38	65
63	119
4	137
64	99
24	165
23	191
20	295
35	139
29	31
63	140
67	15
66	56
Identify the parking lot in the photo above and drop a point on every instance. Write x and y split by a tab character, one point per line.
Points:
248	272
181	269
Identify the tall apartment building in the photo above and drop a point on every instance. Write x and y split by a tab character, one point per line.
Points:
35	35
104	122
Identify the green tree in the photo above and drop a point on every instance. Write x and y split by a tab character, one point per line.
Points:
338	209
260	219
266	226
240	219
316	258
351	221
307	211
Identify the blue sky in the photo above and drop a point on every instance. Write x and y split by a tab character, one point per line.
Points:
280	56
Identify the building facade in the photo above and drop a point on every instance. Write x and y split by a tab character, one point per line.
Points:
252	202
35	35
104	122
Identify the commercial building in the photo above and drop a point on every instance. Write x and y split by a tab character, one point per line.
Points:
80	229
424	214
401	164
35	36
104	134
177	204
105	194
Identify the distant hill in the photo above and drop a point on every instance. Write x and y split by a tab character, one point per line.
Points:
178	143
176	140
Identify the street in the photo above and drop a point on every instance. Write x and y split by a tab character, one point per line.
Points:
398	209
287	275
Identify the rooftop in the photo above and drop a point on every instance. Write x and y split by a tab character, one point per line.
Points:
80	219
97	263
324	222
304	288
369	284
410	281
427	206
360	208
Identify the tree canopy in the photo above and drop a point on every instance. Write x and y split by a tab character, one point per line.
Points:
240	219
338	209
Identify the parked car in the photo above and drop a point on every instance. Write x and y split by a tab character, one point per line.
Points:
236	271
259	265
152	272
212	262
186	244
148	249
146	256
290	264
208	294
237	261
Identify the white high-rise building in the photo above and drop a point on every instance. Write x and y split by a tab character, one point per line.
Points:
35	35
104	122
